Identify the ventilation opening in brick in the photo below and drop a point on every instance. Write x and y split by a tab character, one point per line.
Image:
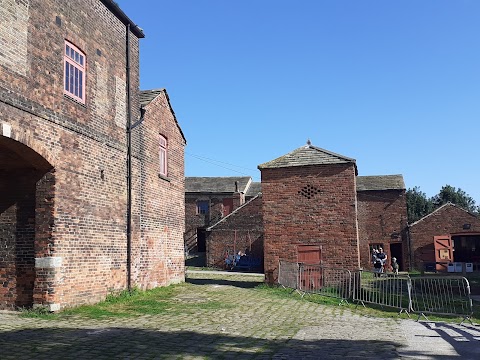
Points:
309	191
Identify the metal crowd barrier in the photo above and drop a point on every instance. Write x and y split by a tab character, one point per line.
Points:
382	289
288	274
439	295
446	295
331	282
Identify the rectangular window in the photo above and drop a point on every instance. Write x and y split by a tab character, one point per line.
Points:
203	207
163	156
74	72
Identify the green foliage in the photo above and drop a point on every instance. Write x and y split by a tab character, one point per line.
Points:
418	205
456	196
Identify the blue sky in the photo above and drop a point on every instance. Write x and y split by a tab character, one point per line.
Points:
392	84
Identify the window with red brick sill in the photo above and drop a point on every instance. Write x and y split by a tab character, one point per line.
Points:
163	155
74	72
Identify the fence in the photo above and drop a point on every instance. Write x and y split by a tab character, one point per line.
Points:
316	279
440	295
288	274
449	295
387	290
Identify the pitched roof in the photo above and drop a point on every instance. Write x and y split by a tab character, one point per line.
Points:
210	228
254	189
307	155
216	184
147	96
448	204
380	182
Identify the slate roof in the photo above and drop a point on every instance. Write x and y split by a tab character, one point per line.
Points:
380	182
147	96
254	189
216	184
448	204
307	155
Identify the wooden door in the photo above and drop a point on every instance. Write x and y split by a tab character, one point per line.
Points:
310	276
443	251
227	206
309	254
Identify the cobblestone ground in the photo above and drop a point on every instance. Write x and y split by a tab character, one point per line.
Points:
250	326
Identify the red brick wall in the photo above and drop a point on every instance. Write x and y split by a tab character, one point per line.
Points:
159	255
447	220
242	231
382	219
193	221
328	218
83	226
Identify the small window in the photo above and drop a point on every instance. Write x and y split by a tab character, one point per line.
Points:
74	72
163	155
203	207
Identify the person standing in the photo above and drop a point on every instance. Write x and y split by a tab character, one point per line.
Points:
383	259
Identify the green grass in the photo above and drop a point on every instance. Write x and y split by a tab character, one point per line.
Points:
131	304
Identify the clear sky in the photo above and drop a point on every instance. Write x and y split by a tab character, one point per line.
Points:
393	84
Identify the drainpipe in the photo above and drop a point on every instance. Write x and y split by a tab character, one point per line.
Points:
129	165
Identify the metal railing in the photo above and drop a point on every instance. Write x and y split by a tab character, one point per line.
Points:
288	274
446	295
325	281
382	289
439	295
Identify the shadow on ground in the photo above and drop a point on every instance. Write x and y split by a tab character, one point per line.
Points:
114	343
459	337
240	284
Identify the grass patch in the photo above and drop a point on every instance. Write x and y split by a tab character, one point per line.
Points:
157	301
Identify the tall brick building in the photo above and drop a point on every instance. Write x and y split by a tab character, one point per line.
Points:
69	79
310	209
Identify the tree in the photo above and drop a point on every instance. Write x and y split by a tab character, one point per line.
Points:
418	205
456	196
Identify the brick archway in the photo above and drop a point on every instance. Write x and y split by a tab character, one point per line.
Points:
26	220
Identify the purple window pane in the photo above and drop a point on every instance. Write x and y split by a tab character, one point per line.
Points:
77	57
67	75
76	82
67	50
80	84
71	78
81	60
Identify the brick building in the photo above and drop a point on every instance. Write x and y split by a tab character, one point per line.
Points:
209	199
310	209
69	79
448	234
382	218
239	231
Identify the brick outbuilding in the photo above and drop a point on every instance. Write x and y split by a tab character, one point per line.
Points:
382	218
448	234
69	86
208	200
310	209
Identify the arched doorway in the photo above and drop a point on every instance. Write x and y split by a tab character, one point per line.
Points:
26	219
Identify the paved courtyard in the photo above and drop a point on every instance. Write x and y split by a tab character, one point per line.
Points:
249	325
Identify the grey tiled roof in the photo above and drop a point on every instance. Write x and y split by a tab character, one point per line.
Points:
146	96
216	184
254	189
307	155
380	182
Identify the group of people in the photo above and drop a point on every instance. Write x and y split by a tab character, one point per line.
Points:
380	258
